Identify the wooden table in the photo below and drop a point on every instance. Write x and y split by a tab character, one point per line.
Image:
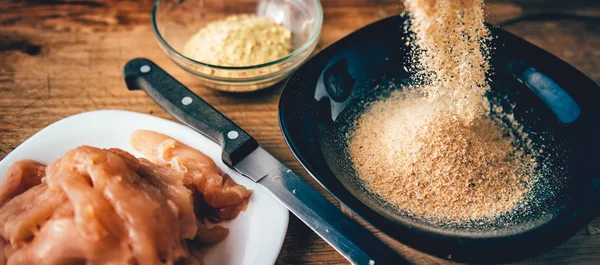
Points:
59	58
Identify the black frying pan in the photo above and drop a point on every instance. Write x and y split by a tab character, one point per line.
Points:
556	102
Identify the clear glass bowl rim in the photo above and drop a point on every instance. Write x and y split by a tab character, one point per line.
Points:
314	37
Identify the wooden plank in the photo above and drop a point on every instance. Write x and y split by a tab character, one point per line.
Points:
64	58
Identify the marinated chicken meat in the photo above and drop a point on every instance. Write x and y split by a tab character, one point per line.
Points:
95	206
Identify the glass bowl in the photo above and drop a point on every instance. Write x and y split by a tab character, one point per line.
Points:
176	21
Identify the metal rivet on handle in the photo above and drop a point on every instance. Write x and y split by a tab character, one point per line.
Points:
145	68
186	101
232	135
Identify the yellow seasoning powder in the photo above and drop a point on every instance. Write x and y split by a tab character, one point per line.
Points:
240	40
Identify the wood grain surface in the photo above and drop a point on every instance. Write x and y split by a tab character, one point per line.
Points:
59	58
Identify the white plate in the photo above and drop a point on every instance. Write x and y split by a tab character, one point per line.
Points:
255	236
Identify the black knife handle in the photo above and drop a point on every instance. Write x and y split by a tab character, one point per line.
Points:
183	104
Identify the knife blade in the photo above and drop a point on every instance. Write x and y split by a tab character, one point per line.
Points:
242	152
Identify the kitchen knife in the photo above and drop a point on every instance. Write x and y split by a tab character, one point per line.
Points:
242	152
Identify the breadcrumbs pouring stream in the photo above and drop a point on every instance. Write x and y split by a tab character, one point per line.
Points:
434	150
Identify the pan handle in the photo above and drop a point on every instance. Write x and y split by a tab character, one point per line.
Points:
187	107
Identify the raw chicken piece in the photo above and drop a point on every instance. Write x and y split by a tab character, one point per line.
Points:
217	189
210	236
169	182
5	250
19	177
21	217
113	203
56	243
